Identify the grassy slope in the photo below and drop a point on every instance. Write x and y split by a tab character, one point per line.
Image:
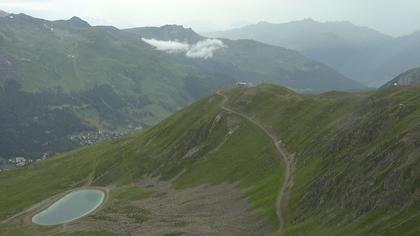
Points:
73	60
101	77
356	171
357	158
245	157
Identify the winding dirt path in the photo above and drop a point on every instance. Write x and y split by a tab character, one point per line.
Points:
284	156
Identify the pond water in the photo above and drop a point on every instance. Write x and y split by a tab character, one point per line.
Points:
71	207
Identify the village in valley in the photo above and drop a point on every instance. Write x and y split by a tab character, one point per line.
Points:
81	139
90	138
7	164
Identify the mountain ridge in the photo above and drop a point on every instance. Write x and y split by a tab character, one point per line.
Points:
408	78
74	22
236	49
360	53
308	24
168	33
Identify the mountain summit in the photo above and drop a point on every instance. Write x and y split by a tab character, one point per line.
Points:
168	33
75	22
78	21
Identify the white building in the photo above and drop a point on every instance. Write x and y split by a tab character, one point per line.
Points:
243	84
20	161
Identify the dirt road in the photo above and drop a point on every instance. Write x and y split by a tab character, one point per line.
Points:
284	156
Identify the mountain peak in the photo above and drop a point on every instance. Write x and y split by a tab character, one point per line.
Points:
168	32
77	21
178	29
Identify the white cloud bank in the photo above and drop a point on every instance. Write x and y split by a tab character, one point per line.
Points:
168	46
203	49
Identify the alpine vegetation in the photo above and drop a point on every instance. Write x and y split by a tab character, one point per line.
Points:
203	49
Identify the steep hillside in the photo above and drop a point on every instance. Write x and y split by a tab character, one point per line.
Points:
109	81
101	77
359	53
251	61
411	77
357	158
354	169
199	146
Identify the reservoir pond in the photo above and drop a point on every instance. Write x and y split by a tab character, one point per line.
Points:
71	207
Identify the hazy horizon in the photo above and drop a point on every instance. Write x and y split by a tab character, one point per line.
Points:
392	17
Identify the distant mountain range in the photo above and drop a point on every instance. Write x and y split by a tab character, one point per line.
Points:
59	79
254	62
360	53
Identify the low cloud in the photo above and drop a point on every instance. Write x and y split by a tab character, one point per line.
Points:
168	46
203	49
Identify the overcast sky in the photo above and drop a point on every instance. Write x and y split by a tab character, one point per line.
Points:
395	17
